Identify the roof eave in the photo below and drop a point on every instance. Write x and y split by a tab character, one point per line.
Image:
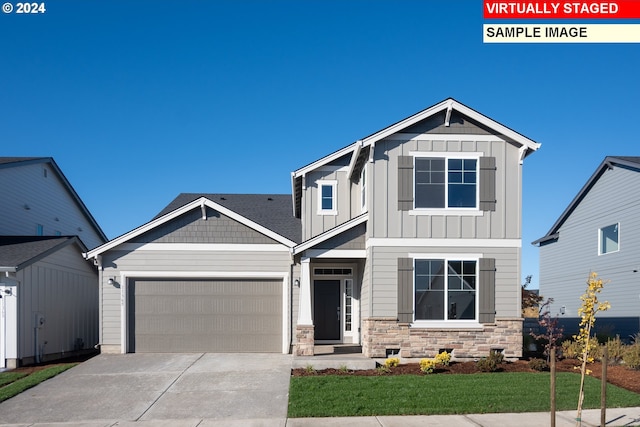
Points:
181	210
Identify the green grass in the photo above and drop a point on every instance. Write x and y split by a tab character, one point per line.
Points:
13	383
342	396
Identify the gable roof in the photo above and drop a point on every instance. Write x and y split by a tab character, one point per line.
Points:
18	252
267	214
609	162
9	162
332	232
269	210
356	149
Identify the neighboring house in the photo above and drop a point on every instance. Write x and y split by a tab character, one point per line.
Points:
406	241
49	293
598	232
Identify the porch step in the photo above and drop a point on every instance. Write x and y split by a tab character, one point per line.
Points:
335	356
338	361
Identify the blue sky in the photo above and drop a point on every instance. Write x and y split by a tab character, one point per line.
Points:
138	101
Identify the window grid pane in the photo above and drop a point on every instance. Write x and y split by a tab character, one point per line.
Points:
435	291
327	197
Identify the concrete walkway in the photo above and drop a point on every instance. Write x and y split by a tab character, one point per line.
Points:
212	390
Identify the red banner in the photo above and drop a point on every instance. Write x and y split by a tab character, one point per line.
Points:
562	9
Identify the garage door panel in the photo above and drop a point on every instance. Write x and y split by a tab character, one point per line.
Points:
205	315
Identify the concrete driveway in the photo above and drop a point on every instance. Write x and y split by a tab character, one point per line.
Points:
160	387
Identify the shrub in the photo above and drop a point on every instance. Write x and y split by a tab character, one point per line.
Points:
631	356
383	369
538	364
615	349
443	358
391	362
491	363
427	365
309	369
571	349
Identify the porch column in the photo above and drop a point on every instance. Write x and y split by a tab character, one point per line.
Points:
304	328
304	311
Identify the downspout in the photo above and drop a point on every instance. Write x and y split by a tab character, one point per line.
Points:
97	261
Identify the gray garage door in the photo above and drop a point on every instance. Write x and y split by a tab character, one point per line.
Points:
172	315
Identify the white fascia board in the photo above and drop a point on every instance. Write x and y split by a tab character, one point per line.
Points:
331	233
409	121
323	161
336	253
199	247
180	211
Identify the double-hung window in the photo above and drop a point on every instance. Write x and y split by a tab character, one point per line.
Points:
446	183
327	197
445	289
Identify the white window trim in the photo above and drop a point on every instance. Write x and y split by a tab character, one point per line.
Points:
447	210
448	324
600	253
334	185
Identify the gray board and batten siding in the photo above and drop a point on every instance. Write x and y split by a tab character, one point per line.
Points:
566	262
258	261
501	221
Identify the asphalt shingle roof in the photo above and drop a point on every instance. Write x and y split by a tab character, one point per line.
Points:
18	250
272	211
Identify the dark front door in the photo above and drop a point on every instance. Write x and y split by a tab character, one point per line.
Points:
326	309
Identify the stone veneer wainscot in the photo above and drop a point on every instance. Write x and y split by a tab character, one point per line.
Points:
382	333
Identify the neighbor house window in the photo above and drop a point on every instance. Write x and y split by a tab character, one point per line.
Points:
445	289
609	239
39	230
327	197
446	182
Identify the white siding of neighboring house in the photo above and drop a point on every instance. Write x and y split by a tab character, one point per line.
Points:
63	287
49	202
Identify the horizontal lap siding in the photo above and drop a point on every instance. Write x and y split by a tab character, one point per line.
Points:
177	261
48	200
565	265
385	274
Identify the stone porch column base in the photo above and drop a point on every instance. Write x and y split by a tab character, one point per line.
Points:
304	340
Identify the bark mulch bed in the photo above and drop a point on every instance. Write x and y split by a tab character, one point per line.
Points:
617	375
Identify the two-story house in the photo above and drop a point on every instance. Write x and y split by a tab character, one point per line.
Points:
407	241
598	232
48	291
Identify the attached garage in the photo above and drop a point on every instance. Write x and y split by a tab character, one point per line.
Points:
205	315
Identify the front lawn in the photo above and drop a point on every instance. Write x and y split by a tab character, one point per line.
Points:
13	383
346	396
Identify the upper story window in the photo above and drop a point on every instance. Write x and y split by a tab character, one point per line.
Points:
461	183
446	183
327	200
609	239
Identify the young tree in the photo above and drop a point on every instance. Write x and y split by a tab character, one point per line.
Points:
587	312
552	331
